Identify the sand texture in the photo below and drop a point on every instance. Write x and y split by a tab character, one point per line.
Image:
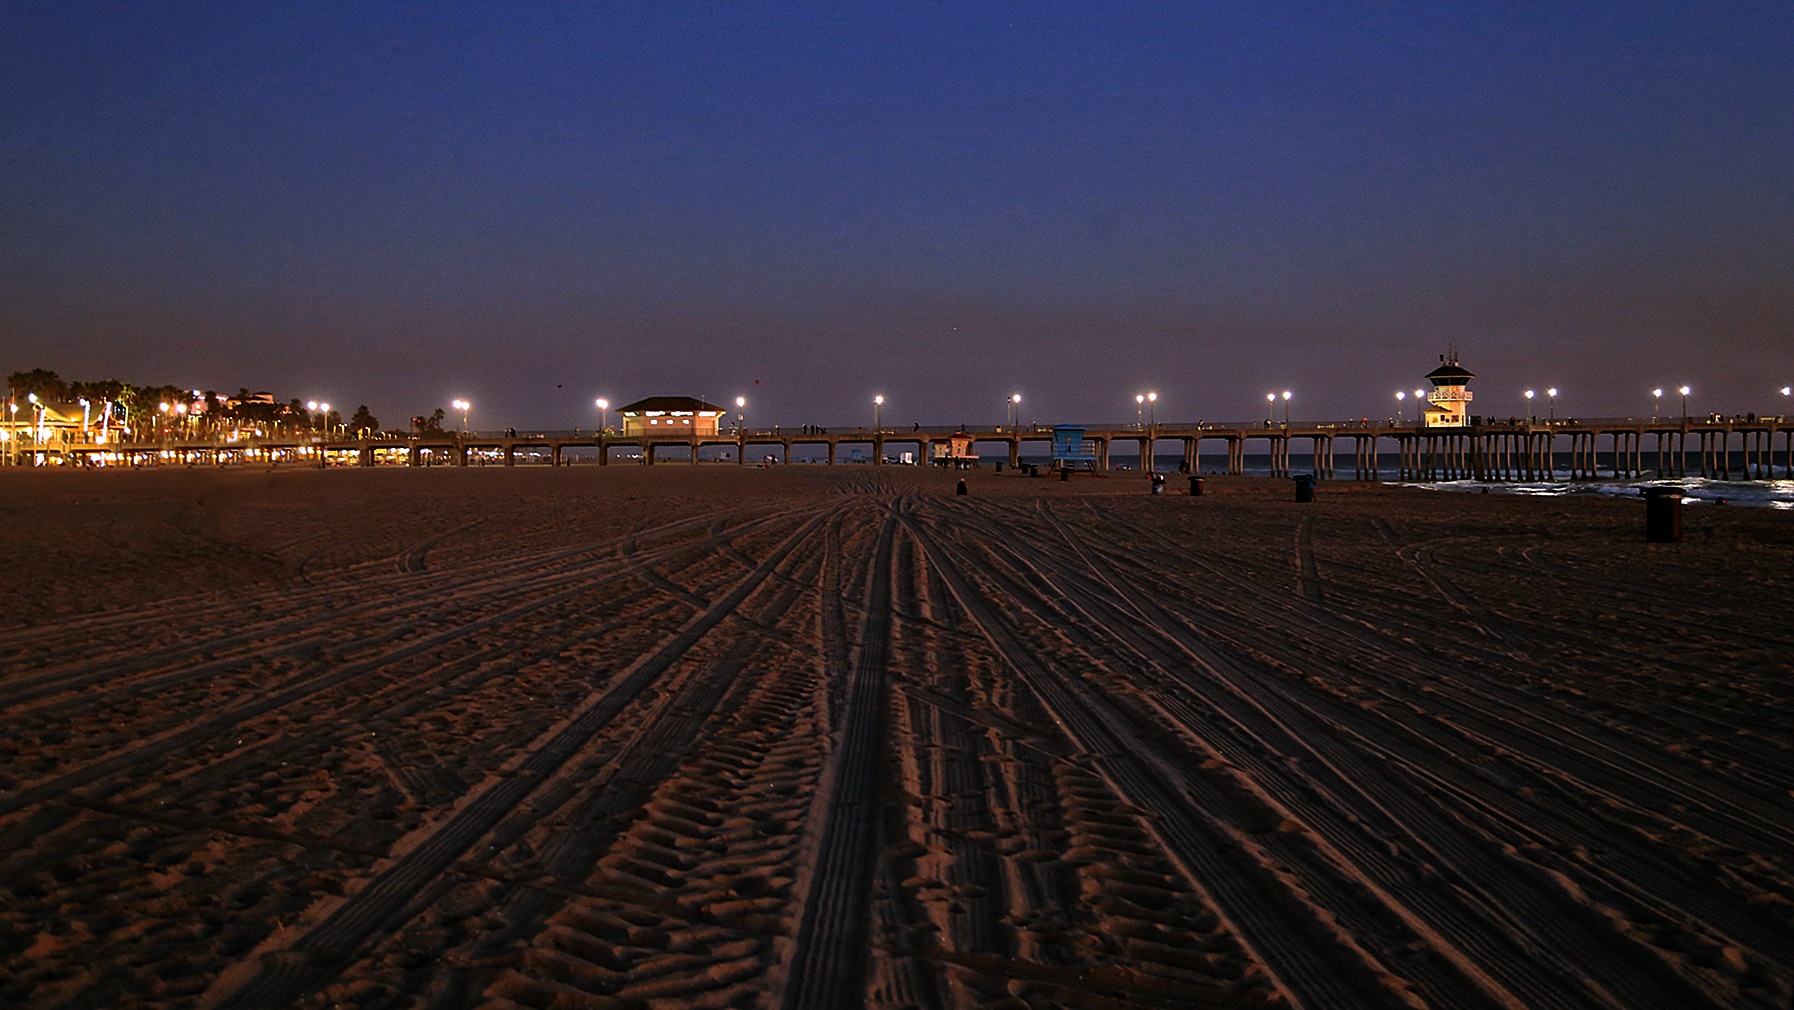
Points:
824	737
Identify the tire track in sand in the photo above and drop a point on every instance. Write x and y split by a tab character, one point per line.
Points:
1302	967
286	976
828	963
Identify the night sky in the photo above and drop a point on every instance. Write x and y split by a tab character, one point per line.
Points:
530	206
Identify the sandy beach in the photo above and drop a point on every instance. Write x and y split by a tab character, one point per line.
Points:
822	737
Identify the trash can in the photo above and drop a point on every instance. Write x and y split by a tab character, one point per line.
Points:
1195	487
1033	469
962	486
999	468
1064	474
1663	515
1304	487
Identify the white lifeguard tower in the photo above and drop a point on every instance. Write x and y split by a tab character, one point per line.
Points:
1448	405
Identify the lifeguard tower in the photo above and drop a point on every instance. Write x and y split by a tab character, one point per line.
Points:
952	452
1071	451
1448	404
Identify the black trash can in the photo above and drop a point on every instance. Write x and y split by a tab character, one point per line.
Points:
1033	469
1064	473
1663	515
1195	487
999	468
1304	487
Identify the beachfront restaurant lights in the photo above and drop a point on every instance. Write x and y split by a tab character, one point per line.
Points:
670	415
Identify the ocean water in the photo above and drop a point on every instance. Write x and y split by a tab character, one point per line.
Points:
1777	494
1695	490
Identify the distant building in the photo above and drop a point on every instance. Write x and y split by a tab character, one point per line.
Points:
31	425
1448	404
670	415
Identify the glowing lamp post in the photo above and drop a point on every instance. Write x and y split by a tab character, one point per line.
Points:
1529	415
1152	411
878	403
1656	402
603	415
1684	391
740	413
463	406
1015	406
1399	397
1552	393
1270	408
1286	408
1139	410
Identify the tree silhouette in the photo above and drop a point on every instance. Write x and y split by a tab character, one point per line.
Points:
46	384
363	423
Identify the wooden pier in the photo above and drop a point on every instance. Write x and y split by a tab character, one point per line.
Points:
1512	451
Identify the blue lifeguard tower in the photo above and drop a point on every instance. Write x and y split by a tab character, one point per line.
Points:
1070	449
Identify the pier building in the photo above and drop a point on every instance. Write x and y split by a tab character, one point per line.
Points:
677	416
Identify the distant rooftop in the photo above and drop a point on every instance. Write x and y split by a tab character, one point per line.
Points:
669	405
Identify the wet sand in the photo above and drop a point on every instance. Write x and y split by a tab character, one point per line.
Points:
822	736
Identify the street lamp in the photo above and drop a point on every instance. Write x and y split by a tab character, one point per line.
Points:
1015	401
740	409
1152	411
1656	402
1684	391
324	417
1270	408
1286	408
1529	415
463	406
1399	397
1552	393
1139	410
878	403
603	414
1785	391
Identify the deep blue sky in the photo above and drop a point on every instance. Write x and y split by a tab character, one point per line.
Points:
945	203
